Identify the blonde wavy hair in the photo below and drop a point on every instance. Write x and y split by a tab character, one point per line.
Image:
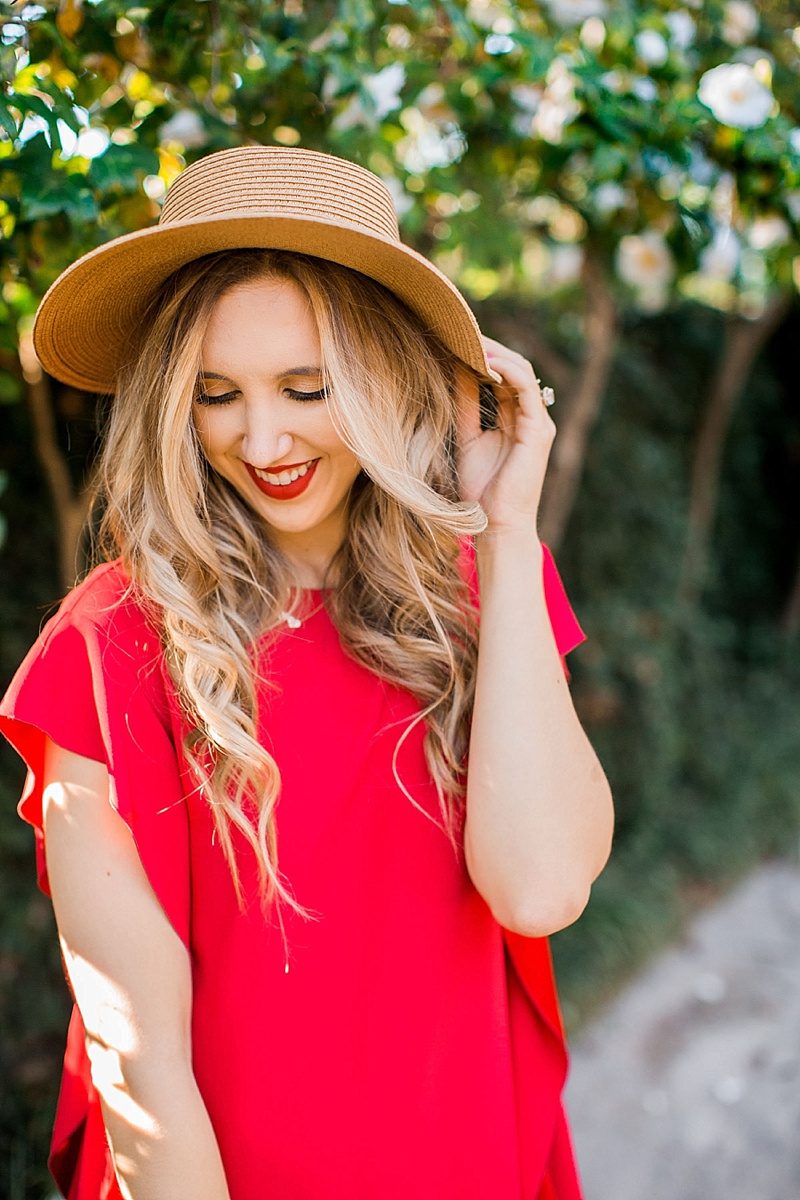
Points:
202	561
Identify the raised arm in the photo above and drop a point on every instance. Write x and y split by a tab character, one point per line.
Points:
130	975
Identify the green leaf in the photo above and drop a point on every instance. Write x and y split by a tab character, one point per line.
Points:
62	105
26	102
45	192
6	120
357	13
10	393
121	166
33	161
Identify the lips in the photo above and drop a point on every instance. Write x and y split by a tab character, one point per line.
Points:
283	491
286	466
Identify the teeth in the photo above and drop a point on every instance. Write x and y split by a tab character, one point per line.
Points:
285	476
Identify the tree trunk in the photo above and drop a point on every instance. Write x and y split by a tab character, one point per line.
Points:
70	510
581	407
743	342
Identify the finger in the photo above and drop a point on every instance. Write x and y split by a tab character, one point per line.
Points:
496	347
522	378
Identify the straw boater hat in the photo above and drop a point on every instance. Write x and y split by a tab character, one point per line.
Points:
273	196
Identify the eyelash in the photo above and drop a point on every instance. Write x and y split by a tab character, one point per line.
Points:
204	398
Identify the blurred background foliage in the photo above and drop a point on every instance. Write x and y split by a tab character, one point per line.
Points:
616	188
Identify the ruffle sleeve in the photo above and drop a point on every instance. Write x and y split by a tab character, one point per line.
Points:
567	630
93	682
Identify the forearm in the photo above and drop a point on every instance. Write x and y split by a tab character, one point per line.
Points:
539	817
162	1140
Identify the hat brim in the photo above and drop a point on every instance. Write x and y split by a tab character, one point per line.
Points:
83	324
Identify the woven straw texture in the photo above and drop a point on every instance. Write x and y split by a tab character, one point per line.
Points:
270	196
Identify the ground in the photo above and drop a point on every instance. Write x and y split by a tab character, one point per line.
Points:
687	1085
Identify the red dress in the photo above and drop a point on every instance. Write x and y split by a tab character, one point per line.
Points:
414	1048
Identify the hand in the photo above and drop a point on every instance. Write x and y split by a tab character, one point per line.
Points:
503	468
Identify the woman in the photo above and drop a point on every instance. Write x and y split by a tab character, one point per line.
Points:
308	826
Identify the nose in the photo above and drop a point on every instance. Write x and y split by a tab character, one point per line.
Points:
266	439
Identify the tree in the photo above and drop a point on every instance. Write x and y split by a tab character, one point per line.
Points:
573	153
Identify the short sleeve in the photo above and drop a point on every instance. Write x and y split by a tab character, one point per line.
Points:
91	683
567	630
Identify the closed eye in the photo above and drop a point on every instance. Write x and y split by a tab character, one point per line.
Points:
227	397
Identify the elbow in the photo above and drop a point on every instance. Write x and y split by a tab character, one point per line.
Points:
540	919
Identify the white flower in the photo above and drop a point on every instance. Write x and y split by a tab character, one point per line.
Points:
353	113
652	300
613	81
720	258
330	87
154	187
792	200
526	96
428	144
565	264
432	104
184	126
593	33
735	95
768	231
644	87
499	43
681	27
651	47
574	12
608	197
385	87
645	261
558	105
488	13
92	142
551	117
559	81
739	22
794	139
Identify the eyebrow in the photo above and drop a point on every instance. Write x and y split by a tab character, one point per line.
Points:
280	375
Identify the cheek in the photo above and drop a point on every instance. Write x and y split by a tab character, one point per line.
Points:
326	437
210	431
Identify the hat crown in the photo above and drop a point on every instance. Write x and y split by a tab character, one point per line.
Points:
282	180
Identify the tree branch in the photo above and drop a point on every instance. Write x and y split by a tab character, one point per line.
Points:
70	510
583	405
744	340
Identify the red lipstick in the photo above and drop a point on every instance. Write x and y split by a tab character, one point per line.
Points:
283	491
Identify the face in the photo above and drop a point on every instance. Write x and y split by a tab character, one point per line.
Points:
261	408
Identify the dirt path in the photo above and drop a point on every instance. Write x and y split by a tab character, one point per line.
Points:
687	1086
